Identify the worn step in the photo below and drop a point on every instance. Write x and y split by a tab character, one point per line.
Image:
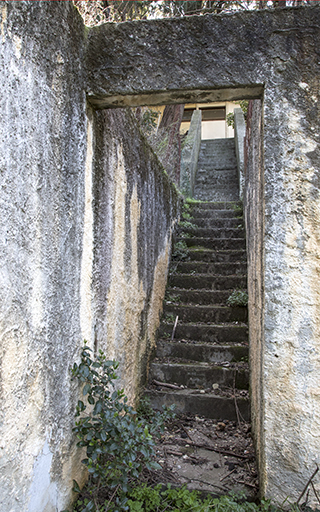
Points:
215	192
199	375
211	214
211	223
225	179
208	405
202	267
185	296
214	205
213	314
214	243
219	151
208	333
223	256
202	351
207	282
212	232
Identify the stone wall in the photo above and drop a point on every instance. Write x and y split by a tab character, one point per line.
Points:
42	163
253	202
77	215
134	208
87	214
239	134
291	341
190	155
272	55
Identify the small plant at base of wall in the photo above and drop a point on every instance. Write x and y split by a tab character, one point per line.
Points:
185	224
119	444
180	251
238	298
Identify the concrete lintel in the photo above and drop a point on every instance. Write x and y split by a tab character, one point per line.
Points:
171	97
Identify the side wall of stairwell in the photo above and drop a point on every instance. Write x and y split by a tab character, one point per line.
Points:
254	221
134	209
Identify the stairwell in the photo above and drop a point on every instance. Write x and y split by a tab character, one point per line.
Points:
202	350
217	171
201	360
206	353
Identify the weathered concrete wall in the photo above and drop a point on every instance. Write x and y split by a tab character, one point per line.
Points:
292	236
272	55
83	201
42	162
135	208
254	207
195	59
239	134
190	155
54	180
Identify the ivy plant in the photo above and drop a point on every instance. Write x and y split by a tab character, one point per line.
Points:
118	444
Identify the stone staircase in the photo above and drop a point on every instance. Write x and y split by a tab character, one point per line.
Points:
216	178
202	351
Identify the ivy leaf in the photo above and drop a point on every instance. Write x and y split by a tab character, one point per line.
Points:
86	389
76	487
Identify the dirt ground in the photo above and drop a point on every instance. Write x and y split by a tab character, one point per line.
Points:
208	455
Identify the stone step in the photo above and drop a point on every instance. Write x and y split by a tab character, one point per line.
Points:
207	333
200	213
208	405
199	375
207	282
185	296
202	351
214	243
223	256
210	191
202	267
210	223
214	193
208	206
221	153
212	232
213	314
217	177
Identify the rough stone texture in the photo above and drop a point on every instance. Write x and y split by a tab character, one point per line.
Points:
216	178
274	55
42	163
135	208
254	219
292	233
239	134
198	58
81	205
190	155
50	224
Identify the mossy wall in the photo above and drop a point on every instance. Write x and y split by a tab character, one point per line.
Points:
134	208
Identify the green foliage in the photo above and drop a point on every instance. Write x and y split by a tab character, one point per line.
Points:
238	209
153	499
118	444
238	298
169	318
187	225
156	419
148	120
230	117
180	251
173	298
